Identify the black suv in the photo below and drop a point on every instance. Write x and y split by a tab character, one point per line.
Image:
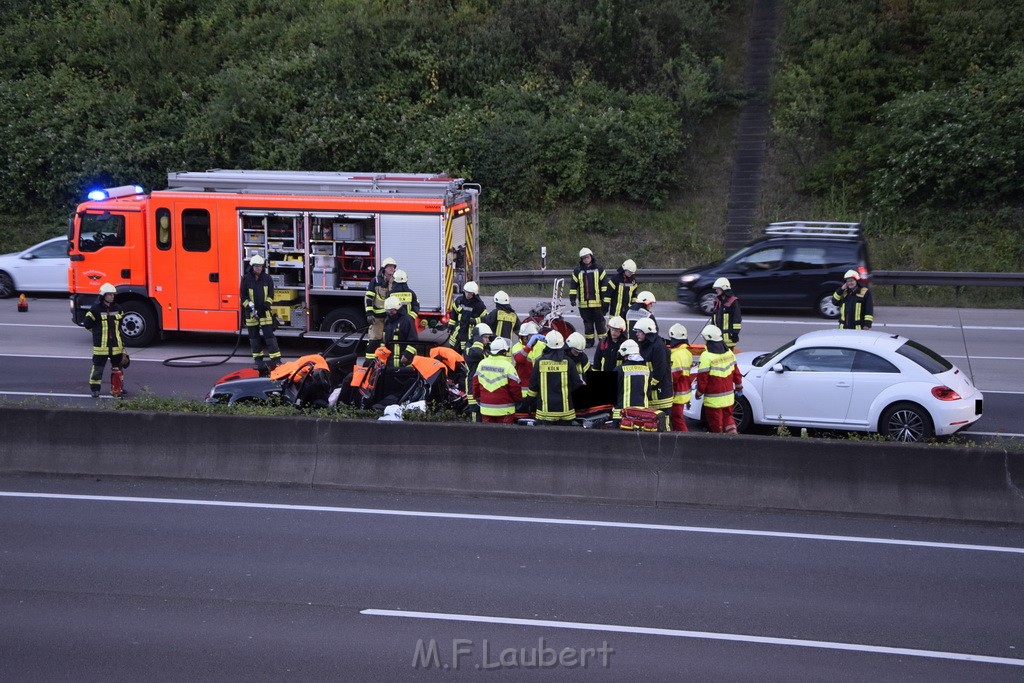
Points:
797	264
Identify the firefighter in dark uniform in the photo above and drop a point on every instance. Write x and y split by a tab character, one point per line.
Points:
398	329
400	288
620	289
856	305
553	380
576	346
640	309
726	313
587	294
654	351
606	357
467	311
257	295
475	352
634	379
502	319
377	291
104	320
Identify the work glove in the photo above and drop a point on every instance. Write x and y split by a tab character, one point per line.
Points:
739	393
534	339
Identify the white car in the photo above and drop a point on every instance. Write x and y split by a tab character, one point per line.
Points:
854	380
42	268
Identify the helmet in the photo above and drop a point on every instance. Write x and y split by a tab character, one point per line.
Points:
554	339
630	265
711	333
721	283
677	331
471	287
628	348
646	325
852	273
501	297
617	322
392	303
107	288
576	341
499	345
388	262
257	260
646	297
484	328
401	276
528	329
585	252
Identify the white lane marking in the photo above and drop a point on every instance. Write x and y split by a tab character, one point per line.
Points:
41	395
699	635
519	520
1006	434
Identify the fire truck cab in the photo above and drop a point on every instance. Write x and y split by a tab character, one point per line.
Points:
177	255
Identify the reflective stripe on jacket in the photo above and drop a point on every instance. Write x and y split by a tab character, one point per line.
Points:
856	308
496	386
682	362
718	377
634	384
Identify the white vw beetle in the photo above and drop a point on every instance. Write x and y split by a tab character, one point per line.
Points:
854	380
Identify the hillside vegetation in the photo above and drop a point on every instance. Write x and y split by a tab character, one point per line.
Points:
597	121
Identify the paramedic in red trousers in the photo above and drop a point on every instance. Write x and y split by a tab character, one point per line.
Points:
620	289
681	360
856	305
606	357
502	318
257	295
726	313
654	351
553	380
496	385
104	320
719	381
467	311
634	379
587	294
399	330
377	291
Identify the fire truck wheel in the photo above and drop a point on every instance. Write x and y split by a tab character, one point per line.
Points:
342	320
138	325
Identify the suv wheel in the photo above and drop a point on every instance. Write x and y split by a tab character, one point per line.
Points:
706	302
826	306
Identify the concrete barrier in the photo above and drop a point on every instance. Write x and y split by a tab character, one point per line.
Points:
746	472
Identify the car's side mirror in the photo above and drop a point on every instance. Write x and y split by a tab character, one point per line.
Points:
743	267
778	368
28	257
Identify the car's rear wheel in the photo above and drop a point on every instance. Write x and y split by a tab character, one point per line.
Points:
826	306
906	422
706	302
6	286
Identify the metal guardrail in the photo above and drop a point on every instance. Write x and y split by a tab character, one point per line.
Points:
879	277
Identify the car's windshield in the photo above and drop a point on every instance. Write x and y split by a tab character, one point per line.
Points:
763	359
925	357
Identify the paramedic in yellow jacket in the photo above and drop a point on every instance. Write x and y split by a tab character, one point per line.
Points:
682	361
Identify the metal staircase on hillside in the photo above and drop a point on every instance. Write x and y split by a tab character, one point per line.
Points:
754	122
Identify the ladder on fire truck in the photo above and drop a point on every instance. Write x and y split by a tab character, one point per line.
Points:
328	183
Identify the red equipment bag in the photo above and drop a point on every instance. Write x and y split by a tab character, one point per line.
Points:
643	420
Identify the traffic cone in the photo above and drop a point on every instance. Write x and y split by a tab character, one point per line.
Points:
22	304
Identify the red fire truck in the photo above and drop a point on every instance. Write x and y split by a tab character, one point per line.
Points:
177	255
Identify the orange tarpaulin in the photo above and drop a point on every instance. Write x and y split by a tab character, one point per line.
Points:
285	370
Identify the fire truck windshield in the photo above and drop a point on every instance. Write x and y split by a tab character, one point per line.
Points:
100	230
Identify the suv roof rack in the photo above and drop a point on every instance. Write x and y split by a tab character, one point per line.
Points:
814	229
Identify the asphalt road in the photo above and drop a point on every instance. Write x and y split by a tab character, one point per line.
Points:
43	354
155	581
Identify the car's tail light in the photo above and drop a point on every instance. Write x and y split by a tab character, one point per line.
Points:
945	394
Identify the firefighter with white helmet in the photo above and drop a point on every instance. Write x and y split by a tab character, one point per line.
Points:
606	357
104	321
681	360
640	309
654	351
576	345
467	310
256	293
475	352
377	291
496	387
633	379
726	312
502	318
620	289
719	381
856	303
401	289
399	330
553	380
528	347
587	294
